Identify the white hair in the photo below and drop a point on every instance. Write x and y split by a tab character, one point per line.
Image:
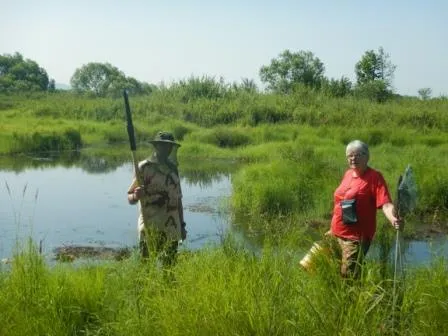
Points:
359	146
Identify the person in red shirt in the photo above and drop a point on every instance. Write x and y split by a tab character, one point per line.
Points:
362	191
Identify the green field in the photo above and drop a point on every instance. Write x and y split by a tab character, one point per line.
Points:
282	140
291	154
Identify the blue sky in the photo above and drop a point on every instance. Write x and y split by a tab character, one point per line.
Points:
157	41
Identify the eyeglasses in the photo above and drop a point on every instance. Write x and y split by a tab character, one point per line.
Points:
355	156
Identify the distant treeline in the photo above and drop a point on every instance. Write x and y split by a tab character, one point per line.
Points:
286	74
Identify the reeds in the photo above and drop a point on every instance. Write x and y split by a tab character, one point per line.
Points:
220	290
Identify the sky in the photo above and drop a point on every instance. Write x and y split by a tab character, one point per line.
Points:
166	41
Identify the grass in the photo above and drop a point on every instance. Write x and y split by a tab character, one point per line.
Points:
286	176
286	169
286	156
93	116
224	290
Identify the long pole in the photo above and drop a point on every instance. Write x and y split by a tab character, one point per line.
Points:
397	251
131	134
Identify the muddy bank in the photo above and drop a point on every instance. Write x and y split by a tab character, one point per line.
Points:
72	252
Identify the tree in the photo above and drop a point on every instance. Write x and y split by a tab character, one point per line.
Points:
375	66
290	69
425	93
104	79
95	77
19	74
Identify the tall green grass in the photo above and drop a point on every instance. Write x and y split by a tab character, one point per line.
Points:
297	179
296	141
293	150
89	116
223	290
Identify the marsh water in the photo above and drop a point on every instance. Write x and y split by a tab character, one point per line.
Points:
81	201
85	204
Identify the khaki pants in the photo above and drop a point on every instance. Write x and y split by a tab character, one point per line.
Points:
352	255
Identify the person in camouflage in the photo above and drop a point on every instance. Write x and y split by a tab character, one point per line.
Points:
161	222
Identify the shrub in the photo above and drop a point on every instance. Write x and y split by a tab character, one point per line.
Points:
224	137
44	142
273	189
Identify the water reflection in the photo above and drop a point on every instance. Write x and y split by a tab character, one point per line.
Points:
108	159
82	201
21	162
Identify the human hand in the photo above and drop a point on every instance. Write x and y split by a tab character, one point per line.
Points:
397	223
138	193
391	214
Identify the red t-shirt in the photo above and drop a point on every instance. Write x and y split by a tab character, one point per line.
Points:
371	193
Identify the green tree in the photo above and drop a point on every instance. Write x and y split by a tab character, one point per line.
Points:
19	74
290	69
104	79
95	78
375	66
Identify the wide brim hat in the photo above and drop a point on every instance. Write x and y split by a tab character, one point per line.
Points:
164	137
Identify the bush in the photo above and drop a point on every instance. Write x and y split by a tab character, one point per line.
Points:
180	131
375	90
278	188
268	114
44	142
224	137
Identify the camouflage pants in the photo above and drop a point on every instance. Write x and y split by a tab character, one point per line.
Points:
155	242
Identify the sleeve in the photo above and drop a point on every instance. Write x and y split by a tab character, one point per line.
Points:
382	194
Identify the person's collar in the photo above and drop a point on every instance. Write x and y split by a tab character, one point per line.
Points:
356	173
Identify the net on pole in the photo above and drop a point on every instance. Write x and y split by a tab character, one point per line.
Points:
407	192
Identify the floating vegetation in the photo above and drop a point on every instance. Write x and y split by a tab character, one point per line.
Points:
72	252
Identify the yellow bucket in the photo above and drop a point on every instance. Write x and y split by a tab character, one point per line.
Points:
307	260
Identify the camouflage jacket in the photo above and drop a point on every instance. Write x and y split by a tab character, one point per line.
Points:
160	208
